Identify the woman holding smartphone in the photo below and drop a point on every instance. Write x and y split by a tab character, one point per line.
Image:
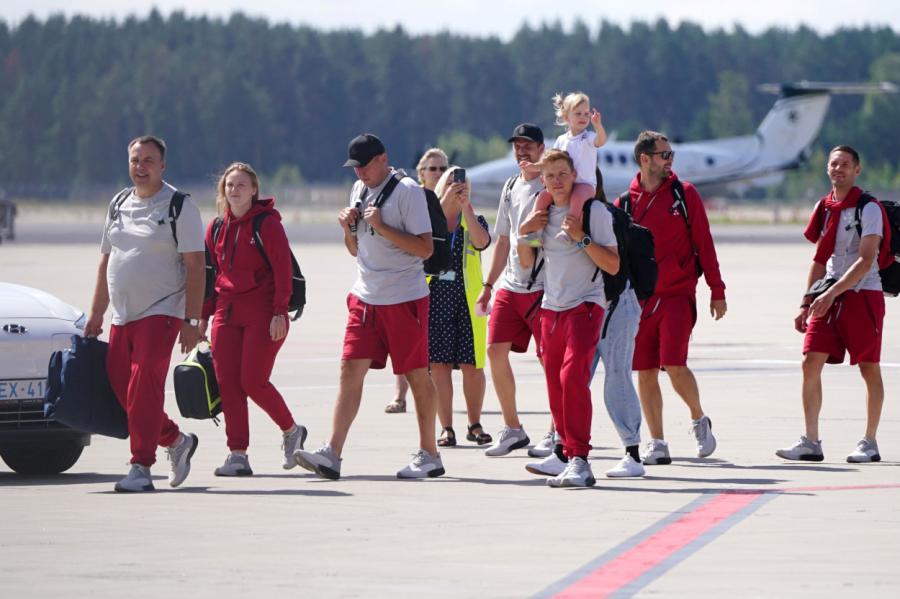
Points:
457	335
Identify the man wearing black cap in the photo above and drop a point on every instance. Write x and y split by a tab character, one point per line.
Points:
514	318
388	230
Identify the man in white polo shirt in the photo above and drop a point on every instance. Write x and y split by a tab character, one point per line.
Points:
388	230
152	272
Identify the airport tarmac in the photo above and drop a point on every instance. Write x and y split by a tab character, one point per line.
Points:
742	523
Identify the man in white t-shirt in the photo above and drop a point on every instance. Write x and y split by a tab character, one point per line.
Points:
571	313
847	226
388	230
515	315
152	273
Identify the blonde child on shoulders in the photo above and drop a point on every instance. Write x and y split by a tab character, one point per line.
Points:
575	113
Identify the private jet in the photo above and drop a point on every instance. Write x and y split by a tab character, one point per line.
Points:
782	141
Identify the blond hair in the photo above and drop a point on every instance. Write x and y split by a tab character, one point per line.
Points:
564	105
444	182
429	154
555	155
221	201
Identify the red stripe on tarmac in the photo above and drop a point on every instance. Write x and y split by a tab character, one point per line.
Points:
651	552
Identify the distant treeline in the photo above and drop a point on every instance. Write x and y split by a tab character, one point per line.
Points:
287	99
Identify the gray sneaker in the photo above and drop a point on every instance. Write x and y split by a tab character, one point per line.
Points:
804	449
544	447
292	443
321	461
180	456
138	480
577	474
507	441
236	464
702	431
549	466
656	452
866	451
423	465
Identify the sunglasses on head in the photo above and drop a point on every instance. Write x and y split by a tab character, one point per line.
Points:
665	154
436	168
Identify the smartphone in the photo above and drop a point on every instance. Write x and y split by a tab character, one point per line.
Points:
459	175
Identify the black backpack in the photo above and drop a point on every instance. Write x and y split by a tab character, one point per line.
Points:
637	260
297	301
890	275
679	204
441	253
175	205
78	391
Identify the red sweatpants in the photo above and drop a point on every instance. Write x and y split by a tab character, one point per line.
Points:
243	355
137	363
569	340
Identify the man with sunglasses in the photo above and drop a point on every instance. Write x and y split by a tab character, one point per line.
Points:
674	213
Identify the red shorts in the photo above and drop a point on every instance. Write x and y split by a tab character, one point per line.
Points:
664	332
853	324
515	319
398	330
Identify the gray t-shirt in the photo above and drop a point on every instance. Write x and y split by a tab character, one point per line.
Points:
146	273
846	246
569	268
387	274
509	216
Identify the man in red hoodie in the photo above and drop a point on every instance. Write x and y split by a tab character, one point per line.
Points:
848	315
674	213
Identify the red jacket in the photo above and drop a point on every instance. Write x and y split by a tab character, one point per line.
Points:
242	276
672	243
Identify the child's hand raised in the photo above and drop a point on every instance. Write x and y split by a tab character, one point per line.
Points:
595	118
529	168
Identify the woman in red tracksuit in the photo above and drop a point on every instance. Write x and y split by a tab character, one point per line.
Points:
249	306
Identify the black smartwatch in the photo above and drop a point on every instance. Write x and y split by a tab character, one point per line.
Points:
585	241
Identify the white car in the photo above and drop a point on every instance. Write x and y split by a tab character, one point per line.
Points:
34	324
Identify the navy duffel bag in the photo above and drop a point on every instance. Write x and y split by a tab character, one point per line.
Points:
78	391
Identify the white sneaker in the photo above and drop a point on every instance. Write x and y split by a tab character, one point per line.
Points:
321	461
542	448
423	465
706	441
507	441
804	449
180	456
549	466
577	474
626	467
656	451
138	480
236	464
292	442
866	451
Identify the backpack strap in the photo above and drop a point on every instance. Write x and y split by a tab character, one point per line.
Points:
386	191
175	206
586	225
625	202
609	313
680	205
506	196
117	202
864	199
537	265
257	224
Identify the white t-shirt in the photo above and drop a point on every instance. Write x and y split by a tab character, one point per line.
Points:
584	154
509	216
569	269
146	274
387	274
846	246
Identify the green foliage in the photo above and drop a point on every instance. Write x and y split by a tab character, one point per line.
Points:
73	92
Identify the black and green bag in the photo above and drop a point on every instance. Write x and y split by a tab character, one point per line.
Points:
196	387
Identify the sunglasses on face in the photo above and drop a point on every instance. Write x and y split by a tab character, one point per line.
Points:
436	168
665	154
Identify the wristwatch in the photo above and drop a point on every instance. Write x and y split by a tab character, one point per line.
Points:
585	241
194	322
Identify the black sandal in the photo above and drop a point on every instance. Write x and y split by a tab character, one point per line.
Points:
447	438
481	438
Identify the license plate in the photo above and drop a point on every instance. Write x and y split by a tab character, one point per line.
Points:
22	389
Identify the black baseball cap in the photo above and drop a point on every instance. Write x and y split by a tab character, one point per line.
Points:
528	131
362	149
